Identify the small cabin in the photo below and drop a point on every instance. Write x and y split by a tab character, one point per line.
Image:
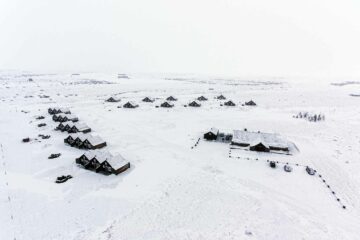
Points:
221	97
71	118
67	127
250	103
96	161
94	143
93	164
84	159
55	117
212	134
194	104
114	165
130	105
79	141
112	99
171	98
167	105
202	98
229	103
148	99
60	126
70	139
51	111
259	147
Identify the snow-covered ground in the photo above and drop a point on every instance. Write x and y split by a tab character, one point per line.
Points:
173	191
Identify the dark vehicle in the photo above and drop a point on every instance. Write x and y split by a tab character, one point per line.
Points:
41	125
272	164
44	136
310	171
63	179
25	140
54	155
287	168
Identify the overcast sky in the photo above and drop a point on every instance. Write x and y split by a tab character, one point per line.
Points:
233	37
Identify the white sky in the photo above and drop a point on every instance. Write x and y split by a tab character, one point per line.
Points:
238	37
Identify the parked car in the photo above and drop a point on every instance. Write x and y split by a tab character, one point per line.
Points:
63	179
272	164
310	171
54	155
287	168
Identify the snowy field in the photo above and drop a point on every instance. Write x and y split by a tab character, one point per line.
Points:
173	191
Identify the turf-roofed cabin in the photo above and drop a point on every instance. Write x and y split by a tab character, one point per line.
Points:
202	98
171	98
130	105
113	99
148	99
212	134
79	127
94	142
166	105
194	104
113	165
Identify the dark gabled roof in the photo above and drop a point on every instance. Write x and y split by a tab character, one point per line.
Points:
171	98
202	98
166	104
113	99
250	103
222	97
148	99
194	104
130	104
229	103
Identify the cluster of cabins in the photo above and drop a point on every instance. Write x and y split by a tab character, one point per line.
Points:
253	141
93	159
311	117
103	162
85	141
169	102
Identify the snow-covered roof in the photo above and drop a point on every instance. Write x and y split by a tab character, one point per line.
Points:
132	103
73	135
81	126
101	156
71	124
213	130
113	98
95	140
117	161
149	98
253	138
167	103
90	154
64	110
